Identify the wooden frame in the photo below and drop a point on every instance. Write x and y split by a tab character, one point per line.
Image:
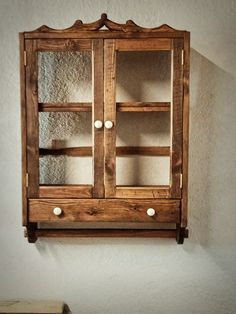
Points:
104	44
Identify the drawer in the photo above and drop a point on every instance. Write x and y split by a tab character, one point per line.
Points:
103	210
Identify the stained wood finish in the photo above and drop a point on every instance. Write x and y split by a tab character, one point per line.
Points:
129	26
142	106
104	233
65	191
111	210
110	114
120	201
64	45
98	138
144	151
32	118
102	35
184	213
142	192
64	107
120	106
143	44
176	118
69	151
120	151
132	192
23	130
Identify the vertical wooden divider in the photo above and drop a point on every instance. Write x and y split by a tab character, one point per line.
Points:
110	114
32	118
97	114
176	118
23	130
184	207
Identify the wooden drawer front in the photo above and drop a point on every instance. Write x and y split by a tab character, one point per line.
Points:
101	210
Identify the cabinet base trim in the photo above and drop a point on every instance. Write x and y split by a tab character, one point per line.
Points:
115	233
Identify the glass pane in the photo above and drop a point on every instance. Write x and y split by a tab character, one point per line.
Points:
142	170
65	76
143	129
65	170
143	76
62	130
68	129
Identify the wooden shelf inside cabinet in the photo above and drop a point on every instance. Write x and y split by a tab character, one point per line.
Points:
142	106
64	107
83	161
120	107
120	151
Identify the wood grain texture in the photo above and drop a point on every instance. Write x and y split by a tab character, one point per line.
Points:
116	233
120	106
144	44
97	114
122	203
23	130
120	151
32	118
63	44
102	34
110	114
129	26
142	106
142	192
65	191
65	107
68	151
176	118
102	210
143	150
184	205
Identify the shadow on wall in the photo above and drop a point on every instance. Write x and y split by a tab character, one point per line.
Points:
212	201
211	164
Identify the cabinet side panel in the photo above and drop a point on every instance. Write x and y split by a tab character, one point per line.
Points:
184	206
110	114
98	135
32	118
176	118
23	128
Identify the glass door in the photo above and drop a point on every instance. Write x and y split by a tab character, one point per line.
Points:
64	99
143	118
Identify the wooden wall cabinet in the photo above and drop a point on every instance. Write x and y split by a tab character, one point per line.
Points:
104	176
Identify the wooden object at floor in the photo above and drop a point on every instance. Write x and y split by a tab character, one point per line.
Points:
33	307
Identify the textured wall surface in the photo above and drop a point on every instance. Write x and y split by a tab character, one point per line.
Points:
133	275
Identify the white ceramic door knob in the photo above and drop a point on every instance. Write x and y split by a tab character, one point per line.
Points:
151	212
108	124
57	211
98	124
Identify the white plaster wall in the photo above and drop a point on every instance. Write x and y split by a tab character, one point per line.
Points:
133	275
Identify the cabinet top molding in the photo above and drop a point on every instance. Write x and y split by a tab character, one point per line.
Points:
129	26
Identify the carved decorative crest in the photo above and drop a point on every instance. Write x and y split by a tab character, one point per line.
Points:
104	22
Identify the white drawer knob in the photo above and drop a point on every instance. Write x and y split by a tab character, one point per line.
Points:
98	124
57	211
151	212
108	124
